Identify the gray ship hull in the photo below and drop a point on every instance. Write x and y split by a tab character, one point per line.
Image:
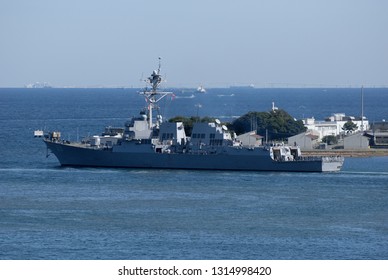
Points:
145	157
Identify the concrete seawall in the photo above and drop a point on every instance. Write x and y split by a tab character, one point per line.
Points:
347	153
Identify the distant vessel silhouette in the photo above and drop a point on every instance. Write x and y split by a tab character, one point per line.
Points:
201	89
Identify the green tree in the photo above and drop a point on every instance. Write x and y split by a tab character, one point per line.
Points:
279	124
349	126
330	140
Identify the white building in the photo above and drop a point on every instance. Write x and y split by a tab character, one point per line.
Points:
332	126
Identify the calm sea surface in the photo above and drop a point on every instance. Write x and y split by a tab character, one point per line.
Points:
50	212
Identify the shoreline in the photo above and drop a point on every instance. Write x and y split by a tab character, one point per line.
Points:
347	153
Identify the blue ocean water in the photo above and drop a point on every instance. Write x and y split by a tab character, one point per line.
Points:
51	212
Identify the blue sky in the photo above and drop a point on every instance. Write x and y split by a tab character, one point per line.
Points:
208	42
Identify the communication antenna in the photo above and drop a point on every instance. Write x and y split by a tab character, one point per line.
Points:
362	109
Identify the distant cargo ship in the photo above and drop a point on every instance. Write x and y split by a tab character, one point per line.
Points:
243	87
148	142
39	85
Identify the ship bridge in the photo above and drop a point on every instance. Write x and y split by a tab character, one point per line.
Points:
173	133
212	134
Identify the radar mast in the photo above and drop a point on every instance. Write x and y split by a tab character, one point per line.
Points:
153	95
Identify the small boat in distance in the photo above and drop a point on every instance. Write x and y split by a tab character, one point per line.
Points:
38	133
201	89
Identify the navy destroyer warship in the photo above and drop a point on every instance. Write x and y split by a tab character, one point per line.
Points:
148	142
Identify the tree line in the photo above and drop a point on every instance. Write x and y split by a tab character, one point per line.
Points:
276	124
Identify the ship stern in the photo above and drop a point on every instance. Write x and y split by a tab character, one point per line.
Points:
332	164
